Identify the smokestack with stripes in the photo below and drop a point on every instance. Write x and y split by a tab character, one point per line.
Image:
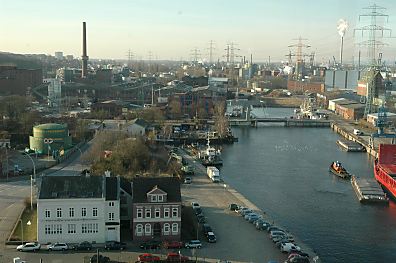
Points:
84	55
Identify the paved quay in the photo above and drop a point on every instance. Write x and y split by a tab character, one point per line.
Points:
237	239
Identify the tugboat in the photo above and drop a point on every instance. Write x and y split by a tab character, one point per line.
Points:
337	169
210	156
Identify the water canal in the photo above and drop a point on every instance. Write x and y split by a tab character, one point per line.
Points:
284	171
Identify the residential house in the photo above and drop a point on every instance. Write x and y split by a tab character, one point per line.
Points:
156	208
138	127
78	208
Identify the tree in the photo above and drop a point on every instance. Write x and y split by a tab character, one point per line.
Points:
221	121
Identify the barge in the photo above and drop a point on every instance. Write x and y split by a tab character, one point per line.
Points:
368	190
351	146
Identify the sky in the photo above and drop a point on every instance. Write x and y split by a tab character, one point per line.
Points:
171	29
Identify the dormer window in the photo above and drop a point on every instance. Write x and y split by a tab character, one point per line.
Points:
154	198
156	195
160	198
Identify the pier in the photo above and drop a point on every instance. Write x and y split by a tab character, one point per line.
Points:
287	122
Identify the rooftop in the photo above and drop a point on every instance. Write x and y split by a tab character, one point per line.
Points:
142	185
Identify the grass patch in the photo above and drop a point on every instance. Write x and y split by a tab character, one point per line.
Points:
29	232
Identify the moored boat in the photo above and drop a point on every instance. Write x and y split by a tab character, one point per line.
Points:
385	168
337	169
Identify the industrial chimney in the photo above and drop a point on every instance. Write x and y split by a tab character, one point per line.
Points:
84	55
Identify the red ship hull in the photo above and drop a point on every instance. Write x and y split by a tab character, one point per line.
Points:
385	168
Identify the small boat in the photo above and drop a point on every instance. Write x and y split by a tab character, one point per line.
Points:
337	169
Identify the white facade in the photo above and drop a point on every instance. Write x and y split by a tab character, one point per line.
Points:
54	92
332	104
73	220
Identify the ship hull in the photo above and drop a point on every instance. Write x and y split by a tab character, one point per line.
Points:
387	182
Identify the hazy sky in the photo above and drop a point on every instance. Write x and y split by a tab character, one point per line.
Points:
170	29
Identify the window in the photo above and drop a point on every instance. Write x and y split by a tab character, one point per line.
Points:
160	198
95	228
153	198
174	212
111	203
71	212
58	229
95	211
83	211
111	216
166	229
148	213
139	213
147	229
47	229
175	228
71	228
157	213
139	229
89	228
59	212
166	212
47	213
84	228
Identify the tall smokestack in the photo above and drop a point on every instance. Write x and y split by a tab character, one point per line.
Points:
84	55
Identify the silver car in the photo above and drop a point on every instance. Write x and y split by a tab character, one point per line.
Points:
31	246
58	247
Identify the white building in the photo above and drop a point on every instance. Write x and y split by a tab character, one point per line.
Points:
73	209
138	127
54	92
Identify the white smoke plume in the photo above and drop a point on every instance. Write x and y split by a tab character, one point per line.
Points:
342	26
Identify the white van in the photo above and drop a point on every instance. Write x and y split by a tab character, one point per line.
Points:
357	132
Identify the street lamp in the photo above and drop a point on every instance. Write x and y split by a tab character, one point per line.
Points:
28	223
31	181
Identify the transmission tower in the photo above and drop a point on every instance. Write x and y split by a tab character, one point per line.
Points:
130	56
231	54
211	48
299	55
150	57
375	31
195	55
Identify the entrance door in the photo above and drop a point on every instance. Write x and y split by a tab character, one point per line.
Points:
157	230
111	234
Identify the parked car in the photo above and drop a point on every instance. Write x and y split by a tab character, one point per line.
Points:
272	228
83	246
206	228
276	233
115	245
172	244
300	253
246	211
201	218
286	247
152	244
287	238
176	257
298	259
261	224
147	257
57	247
233	207
248	215
211	237
187	180
197	211
31	246
193	244
195	205
102	259
253	218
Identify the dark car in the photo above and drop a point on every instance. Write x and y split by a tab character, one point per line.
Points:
152	244
83	246
201	218
298	259
197	211
173	244
206	228
233	207
211	237
115	245
102	259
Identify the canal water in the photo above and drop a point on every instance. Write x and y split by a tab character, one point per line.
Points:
284	171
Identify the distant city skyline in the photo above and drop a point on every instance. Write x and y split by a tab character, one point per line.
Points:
170	30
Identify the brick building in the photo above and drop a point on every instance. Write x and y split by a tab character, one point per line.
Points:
156	208
305	86
16	81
